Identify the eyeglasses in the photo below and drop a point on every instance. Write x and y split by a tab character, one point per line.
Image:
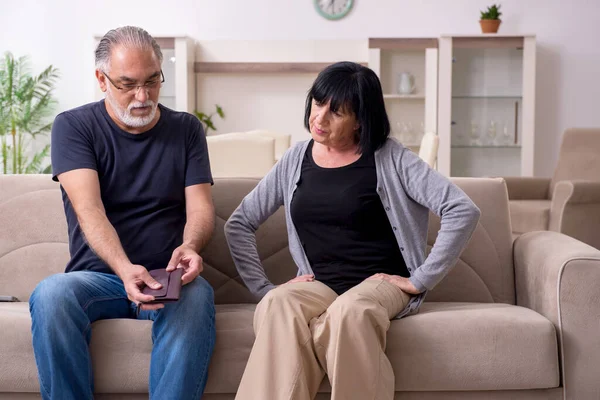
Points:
130	88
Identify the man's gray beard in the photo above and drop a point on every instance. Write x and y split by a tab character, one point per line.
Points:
125	116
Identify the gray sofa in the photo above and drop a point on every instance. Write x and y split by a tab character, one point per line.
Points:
511	321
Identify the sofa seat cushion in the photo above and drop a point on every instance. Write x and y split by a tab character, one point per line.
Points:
447	346
529	215
473	346
18	372
121	351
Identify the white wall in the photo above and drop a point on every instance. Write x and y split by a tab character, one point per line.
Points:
61	33
274	102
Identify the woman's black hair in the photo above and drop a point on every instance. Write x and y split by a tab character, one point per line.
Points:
352	87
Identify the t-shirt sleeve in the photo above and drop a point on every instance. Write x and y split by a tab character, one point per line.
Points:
198	165
71	148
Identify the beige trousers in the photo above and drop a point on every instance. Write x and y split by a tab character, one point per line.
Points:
304	330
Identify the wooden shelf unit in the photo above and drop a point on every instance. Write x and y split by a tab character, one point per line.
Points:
203	67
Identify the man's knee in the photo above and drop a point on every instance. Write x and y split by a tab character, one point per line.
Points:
198	296
53	299
52	290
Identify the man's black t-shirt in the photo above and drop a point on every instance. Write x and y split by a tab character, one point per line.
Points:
142	180
342	225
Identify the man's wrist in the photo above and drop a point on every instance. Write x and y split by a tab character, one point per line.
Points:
192	246
121	268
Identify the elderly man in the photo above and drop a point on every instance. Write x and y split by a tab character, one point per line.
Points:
136	185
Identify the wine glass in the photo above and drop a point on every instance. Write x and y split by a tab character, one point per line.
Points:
492	132
506	134
474	133
396	130
410	133
458	134
421	132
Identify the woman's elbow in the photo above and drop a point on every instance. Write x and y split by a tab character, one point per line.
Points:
229	227
236	225
473	212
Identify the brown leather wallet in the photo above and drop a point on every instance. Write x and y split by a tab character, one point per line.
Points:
171	286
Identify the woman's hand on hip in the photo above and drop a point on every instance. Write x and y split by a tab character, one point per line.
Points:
403	283
301	278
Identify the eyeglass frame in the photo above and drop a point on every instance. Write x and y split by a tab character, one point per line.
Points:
134	88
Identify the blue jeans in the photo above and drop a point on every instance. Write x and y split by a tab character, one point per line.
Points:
64	306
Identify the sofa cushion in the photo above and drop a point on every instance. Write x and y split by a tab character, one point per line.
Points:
473	346
18	372
447	346
121	350
529	215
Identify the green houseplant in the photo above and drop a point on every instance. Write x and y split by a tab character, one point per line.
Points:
206	119
26	105
490	19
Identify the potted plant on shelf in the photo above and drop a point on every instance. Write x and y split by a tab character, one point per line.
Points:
490	19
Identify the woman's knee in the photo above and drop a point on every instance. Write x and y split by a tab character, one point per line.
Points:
345	306
283	302
358	308
278	299
278	294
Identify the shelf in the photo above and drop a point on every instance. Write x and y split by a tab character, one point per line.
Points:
260	67
489	97
404	96
403	43
165	42
488	42
466	146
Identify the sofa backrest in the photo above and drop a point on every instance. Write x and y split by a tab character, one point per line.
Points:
578	158
237	155
33	233
282	141
33	242
484	272
271	239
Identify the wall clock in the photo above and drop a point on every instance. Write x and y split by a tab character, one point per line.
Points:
333	9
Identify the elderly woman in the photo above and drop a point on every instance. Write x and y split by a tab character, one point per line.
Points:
357	206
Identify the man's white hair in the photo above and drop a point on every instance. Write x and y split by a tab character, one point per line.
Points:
129	37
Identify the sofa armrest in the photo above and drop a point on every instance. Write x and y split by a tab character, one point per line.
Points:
575	210
527	188
558	277
577	191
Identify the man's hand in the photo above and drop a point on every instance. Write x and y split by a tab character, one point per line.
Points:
135	278
403	283
301	278
185	257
